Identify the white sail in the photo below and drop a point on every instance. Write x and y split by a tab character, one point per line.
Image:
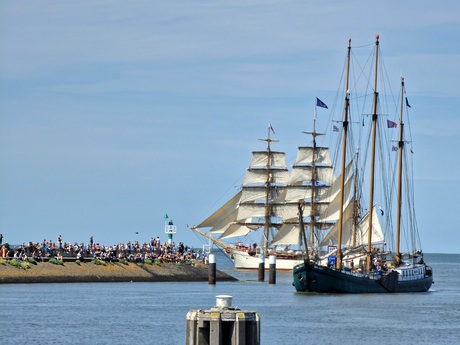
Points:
253	194
333	210
222	213
332	236
248	210
363	229
259	176
305	155
288	234
225	222
302	173
334	189
235	230
260	159
302	192
257	210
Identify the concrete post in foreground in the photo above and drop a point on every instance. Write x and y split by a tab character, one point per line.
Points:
222	324
272	270
261	275
212	269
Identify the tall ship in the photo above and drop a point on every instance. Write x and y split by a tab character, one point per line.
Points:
364	251
266	207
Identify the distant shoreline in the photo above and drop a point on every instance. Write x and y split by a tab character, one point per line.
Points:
71	272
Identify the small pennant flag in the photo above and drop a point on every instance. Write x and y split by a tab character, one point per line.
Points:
271	127
411	151
407	103
320	103
394	148
320	184
166	216
391	124
335	128
381	210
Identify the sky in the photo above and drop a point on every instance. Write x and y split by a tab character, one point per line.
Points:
115	113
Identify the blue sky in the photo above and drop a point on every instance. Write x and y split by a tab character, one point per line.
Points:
113	113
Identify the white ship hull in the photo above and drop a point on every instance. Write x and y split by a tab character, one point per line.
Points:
242	260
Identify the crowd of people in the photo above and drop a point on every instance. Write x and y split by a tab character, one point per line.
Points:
155	251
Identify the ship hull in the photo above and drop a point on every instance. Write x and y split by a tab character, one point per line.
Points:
243	260
313	278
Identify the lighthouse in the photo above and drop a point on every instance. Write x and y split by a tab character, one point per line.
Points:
170	229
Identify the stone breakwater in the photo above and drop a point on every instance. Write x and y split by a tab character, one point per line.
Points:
71	272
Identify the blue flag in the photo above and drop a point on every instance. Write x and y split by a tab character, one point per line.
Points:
320	103
407	103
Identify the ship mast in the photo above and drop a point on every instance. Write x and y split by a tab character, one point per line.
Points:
356	204
372	177
313	180
344	154
400	166
268	196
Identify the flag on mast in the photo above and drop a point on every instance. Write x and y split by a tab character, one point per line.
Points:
391	124
320	103
407	103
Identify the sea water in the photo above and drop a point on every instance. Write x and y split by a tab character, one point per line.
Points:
155	313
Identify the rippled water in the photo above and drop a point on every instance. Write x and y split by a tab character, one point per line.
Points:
155	313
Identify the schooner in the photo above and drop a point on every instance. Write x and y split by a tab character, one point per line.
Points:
361	261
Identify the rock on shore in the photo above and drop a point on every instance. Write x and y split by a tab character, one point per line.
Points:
71	272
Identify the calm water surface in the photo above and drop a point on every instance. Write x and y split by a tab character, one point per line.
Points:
155	313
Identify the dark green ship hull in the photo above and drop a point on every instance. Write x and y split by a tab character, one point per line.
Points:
309	277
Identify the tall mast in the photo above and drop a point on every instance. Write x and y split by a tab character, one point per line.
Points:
302	226
400	166
268	208
374	130
344	156
355	201
314	134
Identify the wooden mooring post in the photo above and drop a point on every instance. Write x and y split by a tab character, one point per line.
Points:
222	325
261	271
272	269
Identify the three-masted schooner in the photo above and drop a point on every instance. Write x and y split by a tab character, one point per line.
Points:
361	263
